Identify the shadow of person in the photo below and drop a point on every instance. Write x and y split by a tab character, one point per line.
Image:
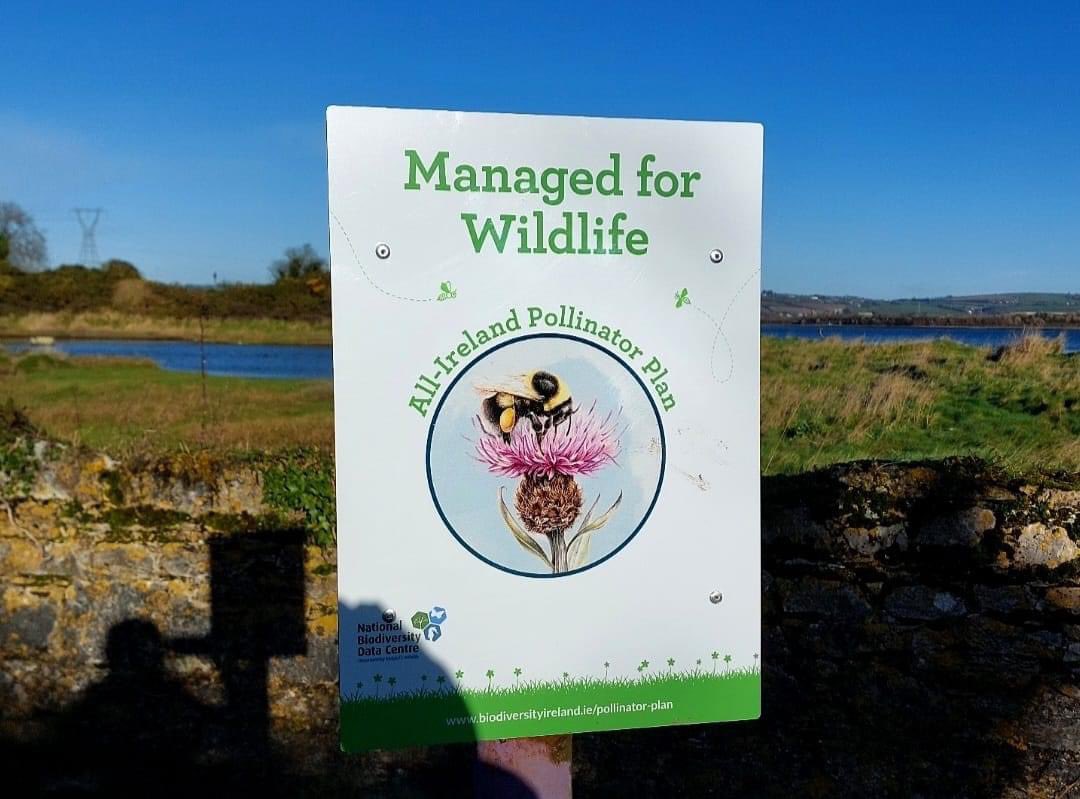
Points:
135	730
139	730
397	694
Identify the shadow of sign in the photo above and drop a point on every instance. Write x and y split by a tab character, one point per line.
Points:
143	727
257	612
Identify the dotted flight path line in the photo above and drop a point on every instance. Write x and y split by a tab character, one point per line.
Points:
720	334
360	266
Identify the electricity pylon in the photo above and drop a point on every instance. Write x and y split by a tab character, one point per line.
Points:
88	219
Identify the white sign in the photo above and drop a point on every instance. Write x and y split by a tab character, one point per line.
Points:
546	389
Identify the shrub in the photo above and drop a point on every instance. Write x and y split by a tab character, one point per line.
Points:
302	482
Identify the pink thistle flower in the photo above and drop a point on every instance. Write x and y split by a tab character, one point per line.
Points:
580	446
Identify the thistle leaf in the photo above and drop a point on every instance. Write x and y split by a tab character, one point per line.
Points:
523	538
600	521
588	515
583	525
577	552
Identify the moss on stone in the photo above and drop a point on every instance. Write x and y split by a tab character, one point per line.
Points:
142	522
114	490
191	468
39	580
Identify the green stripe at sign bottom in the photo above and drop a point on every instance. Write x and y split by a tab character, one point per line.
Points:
553	708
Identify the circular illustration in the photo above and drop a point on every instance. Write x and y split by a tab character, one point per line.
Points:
546	455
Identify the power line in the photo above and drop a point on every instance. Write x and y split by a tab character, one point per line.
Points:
88	219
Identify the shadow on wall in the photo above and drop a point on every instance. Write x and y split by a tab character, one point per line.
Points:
139	731
905	653
908	650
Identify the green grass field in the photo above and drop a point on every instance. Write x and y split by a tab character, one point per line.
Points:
829	401
124	406
823	402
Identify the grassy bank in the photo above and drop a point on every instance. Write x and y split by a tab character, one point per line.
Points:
823	402
828	401
123	406
108	324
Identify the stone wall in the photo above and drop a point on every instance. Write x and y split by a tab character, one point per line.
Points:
921	638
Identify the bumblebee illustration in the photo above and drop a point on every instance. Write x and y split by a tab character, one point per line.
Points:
539	397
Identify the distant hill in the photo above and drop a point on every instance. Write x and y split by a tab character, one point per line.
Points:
974	309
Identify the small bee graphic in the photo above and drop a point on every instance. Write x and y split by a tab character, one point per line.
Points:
541	398
682	298
446	291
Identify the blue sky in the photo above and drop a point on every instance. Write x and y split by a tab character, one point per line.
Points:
909	149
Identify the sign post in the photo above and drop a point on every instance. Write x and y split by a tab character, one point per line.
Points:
546	399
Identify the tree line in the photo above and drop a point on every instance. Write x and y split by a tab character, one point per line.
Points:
300	287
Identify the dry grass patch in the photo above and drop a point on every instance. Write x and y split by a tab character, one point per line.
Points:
114	324
1030	349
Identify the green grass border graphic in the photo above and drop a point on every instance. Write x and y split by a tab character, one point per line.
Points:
454	714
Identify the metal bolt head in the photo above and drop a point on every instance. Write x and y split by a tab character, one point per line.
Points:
389	615
716	256
715	597
382	251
